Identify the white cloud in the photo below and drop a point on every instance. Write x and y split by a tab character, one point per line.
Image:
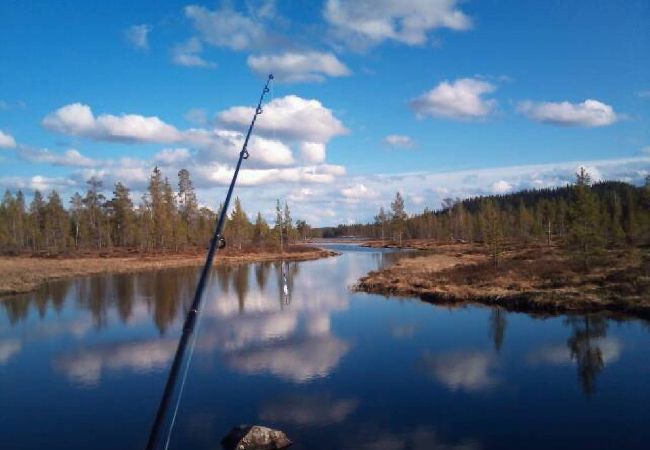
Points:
71	157
221	144
646	150
461	99
7	140
590	113
310	66
290	117
226	27
189	54
197	116
399	141
172	156
77	119
501	187
358	192
138	36
37	182
364	23
312	152
324	173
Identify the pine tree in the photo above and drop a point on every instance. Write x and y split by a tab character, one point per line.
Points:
122	216
188	205
382	219
76	213
584	220
94	204
398	216
37	221
260	230
492	230
56	223
239	225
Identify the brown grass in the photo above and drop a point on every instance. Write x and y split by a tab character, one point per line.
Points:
22	274
530	278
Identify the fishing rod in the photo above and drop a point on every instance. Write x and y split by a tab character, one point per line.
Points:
217	242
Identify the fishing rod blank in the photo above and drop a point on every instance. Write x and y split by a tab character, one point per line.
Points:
216	242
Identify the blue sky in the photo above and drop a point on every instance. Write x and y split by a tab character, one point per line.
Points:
434	98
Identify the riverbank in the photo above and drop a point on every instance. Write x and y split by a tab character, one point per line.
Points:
20	274
529	279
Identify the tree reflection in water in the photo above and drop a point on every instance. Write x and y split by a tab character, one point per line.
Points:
497	327
584	345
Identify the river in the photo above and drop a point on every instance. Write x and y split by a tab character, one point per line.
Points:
83	363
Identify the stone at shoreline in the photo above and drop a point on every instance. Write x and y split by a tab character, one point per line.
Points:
247	437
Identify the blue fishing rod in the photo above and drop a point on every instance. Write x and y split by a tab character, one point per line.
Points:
217	242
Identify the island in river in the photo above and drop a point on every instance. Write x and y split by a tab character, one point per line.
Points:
532	278
19	274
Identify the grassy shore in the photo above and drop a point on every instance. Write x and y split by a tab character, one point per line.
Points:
528	278
20	274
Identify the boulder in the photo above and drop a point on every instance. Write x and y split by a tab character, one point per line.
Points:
255	437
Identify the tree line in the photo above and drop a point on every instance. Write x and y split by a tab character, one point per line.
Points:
584	217
164	220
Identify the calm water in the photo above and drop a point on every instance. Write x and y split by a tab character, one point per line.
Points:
83	363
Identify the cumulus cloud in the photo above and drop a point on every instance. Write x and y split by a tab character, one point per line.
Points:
290	117
77	119
461	99
399	141
70	158
590	113
188	54
365	23
310	66
224	143
7	140
138	36
226	27
312	152
172	156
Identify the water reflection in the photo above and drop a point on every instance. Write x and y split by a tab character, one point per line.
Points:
334	368
462	370
85	367
588	348
8	348
498	324
419	438
308	410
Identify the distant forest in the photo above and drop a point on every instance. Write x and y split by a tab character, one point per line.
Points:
164	220
585	217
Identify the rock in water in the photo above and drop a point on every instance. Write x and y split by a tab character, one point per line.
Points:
246	437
